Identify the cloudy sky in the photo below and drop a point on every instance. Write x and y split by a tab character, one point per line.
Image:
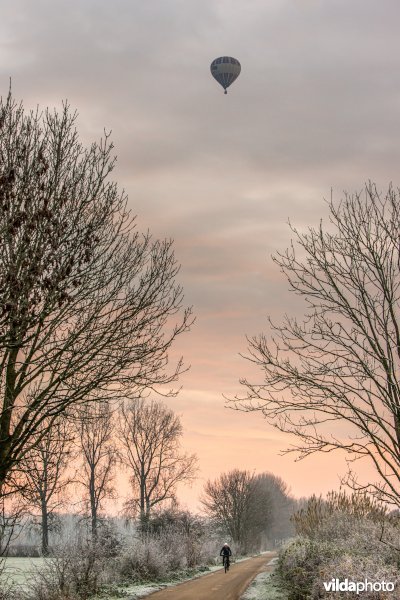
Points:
317	106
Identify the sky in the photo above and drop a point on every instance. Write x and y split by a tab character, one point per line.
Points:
316	108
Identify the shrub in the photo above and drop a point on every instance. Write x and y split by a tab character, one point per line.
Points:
74	572
143	561
358	507
357	568
170	544
299	565
181	536
343	537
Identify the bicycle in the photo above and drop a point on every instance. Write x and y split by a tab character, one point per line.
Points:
226	563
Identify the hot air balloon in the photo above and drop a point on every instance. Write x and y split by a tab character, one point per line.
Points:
225	70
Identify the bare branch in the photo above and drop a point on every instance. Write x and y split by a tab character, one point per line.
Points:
89	307
341	363
150	435
98	457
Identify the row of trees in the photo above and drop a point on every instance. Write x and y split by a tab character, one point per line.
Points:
142	436
89	309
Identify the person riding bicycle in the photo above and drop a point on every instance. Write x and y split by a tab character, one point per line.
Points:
226	552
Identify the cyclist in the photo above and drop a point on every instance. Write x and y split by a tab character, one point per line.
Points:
226	553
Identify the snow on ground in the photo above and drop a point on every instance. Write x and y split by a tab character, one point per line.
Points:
264	587
133	592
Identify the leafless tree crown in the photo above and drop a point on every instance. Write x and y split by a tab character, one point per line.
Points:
150	434
87	304
96	442
228	500
341	363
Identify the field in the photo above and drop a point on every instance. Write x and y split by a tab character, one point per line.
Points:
19	570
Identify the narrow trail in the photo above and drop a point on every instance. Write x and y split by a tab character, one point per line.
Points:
229	586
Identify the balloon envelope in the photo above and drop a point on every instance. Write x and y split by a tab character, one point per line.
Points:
225	70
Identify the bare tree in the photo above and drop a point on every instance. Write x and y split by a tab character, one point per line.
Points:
252	509
45	475
273	510
150	435
99	457
341	363
88	306
230	502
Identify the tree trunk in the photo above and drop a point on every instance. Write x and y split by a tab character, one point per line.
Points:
45	529
93	504
5	416
143	518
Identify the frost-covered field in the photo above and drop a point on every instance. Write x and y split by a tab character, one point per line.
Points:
20	570
264	588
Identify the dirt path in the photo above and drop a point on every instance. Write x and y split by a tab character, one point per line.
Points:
229	586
